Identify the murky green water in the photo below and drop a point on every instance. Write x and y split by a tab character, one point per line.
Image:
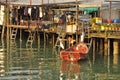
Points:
42	62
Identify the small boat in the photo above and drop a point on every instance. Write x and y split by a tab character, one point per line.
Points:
75	53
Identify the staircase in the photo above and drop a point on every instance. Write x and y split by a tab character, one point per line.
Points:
61	36
90	40
13	34
30	39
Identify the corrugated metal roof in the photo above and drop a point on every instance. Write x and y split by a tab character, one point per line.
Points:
39	2
85	2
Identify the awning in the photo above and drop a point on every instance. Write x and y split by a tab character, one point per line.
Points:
87	10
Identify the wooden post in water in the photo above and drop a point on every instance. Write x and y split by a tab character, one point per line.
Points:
97	44
3	30
101	46
6	20
44	37
94	45
10	32
38	36
115	47
20	35
53	38
105	46
108	46
115	59
77	21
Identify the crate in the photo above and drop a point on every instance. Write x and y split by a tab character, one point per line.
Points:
71	28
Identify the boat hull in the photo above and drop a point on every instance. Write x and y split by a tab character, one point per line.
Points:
73	54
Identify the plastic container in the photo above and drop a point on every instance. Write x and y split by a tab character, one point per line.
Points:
116	20
98	20
109	20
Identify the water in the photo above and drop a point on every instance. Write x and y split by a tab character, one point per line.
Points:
43	63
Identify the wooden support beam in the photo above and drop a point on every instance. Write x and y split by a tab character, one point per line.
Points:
105	46
115	47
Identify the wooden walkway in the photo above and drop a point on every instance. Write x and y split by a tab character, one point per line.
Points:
107	40
110	34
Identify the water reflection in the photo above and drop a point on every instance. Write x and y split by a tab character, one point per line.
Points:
75	70
70	70
18	62
2	57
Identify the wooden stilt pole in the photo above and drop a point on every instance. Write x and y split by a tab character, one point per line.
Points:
115	47
53	38
3	30
10	32
106	47
101	46
94	45
115	59
93	50
20	35
77	20
38	36
97	44
44	38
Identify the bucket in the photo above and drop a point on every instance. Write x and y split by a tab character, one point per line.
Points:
109	20
116	20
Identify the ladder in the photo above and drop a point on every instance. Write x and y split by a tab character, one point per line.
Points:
90	40
30	39
61	36
13	34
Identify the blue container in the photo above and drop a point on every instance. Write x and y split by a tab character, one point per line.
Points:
116	20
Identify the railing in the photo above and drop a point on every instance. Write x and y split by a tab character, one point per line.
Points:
106	32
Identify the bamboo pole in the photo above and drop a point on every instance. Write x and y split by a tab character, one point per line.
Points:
77	21
6	21
110	10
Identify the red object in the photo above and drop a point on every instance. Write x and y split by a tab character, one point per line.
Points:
75	53
109	20
70	67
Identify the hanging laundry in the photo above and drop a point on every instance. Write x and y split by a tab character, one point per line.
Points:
29	11
26	11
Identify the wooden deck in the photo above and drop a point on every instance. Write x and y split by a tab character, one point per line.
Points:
22	26
111	34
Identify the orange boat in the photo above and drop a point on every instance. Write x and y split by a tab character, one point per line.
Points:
75	53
